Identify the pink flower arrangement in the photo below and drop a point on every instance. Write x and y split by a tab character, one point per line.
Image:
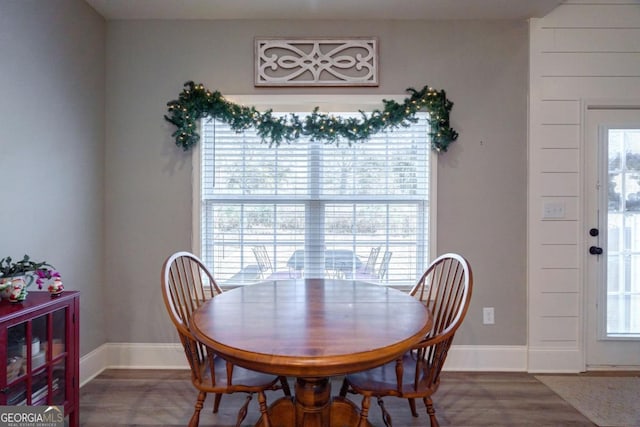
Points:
45	274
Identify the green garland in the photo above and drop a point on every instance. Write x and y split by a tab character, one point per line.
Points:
196	102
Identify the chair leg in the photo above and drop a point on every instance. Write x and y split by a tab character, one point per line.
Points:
385	415
285	386
412	405
195	418
431	411
262	403
344	388
364	412
242	413
216	402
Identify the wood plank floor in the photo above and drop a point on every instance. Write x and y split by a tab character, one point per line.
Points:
166	398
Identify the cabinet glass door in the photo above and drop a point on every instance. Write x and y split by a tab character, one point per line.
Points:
37	360
58	356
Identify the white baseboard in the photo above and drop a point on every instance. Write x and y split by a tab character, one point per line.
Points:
131	356
92	364
171	356
503	358
555	360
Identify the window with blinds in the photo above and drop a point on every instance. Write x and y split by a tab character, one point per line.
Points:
309	209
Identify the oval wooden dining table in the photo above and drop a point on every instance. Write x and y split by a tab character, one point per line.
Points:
311	329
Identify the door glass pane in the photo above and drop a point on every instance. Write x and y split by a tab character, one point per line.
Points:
623	232
614	237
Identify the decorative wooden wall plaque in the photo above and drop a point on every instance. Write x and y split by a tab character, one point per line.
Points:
316	62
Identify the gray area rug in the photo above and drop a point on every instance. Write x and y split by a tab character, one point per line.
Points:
608	401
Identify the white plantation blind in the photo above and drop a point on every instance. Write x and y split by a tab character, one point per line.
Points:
318	209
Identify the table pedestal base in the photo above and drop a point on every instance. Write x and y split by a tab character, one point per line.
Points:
313	407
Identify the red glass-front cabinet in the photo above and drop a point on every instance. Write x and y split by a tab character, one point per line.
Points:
39	344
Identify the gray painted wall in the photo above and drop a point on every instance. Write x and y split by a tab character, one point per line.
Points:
52	65
483	66
107	215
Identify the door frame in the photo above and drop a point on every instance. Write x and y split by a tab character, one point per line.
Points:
586	105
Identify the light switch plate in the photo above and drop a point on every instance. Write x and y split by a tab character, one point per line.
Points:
553	210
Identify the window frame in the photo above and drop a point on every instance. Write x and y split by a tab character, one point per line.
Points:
307	102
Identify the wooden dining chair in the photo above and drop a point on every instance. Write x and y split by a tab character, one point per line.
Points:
445	288
186	285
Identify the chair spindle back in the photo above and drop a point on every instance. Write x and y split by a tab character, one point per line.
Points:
445	288
186	285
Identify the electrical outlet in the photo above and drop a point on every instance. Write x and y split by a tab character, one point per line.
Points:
488	316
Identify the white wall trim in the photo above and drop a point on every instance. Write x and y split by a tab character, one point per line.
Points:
171	356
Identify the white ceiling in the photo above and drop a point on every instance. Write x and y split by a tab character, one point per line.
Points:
323	9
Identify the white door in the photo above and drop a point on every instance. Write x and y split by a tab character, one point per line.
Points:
612	237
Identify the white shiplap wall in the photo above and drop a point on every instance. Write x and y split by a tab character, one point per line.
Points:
582	52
